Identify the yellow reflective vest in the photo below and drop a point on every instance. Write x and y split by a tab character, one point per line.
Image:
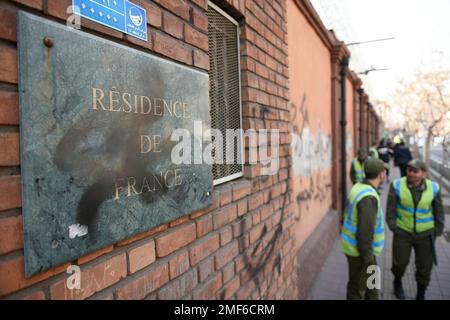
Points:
359	170
413	218
374	152
349	243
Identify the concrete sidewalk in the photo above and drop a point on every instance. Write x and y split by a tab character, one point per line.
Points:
331	283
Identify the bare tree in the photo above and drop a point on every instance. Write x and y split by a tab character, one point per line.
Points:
432	92
423	103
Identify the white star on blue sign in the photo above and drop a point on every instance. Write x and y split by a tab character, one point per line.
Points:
121	15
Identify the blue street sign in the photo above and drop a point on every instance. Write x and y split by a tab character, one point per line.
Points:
121	15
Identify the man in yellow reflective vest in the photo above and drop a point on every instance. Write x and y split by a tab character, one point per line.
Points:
373	151
357	167
362	234
416	216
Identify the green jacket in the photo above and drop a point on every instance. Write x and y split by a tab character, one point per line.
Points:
438	211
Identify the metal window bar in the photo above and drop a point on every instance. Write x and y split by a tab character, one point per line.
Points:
225	95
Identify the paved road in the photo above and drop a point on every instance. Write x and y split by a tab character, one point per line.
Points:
332	281
437	153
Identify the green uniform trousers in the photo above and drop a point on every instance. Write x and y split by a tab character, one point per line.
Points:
357	288
401	252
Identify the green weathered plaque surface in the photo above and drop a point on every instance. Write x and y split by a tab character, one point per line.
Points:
96	125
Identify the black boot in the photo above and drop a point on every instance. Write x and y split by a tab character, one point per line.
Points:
421	291
398	289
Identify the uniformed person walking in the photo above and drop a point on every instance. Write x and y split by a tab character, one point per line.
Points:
373	151
416	216
357	167
362	235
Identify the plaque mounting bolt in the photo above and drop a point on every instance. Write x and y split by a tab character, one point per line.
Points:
48	42
55	244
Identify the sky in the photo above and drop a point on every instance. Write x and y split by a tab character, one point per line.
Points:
421	29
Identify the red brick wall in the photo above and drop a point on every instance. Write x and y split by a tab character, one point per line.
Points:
356	85
372	126
242	247
365	122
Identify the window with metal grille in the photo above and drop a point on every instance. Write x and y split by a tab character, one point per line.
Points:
224	90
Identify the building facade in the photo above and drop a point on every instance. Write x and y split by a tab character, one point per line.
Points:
270	65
